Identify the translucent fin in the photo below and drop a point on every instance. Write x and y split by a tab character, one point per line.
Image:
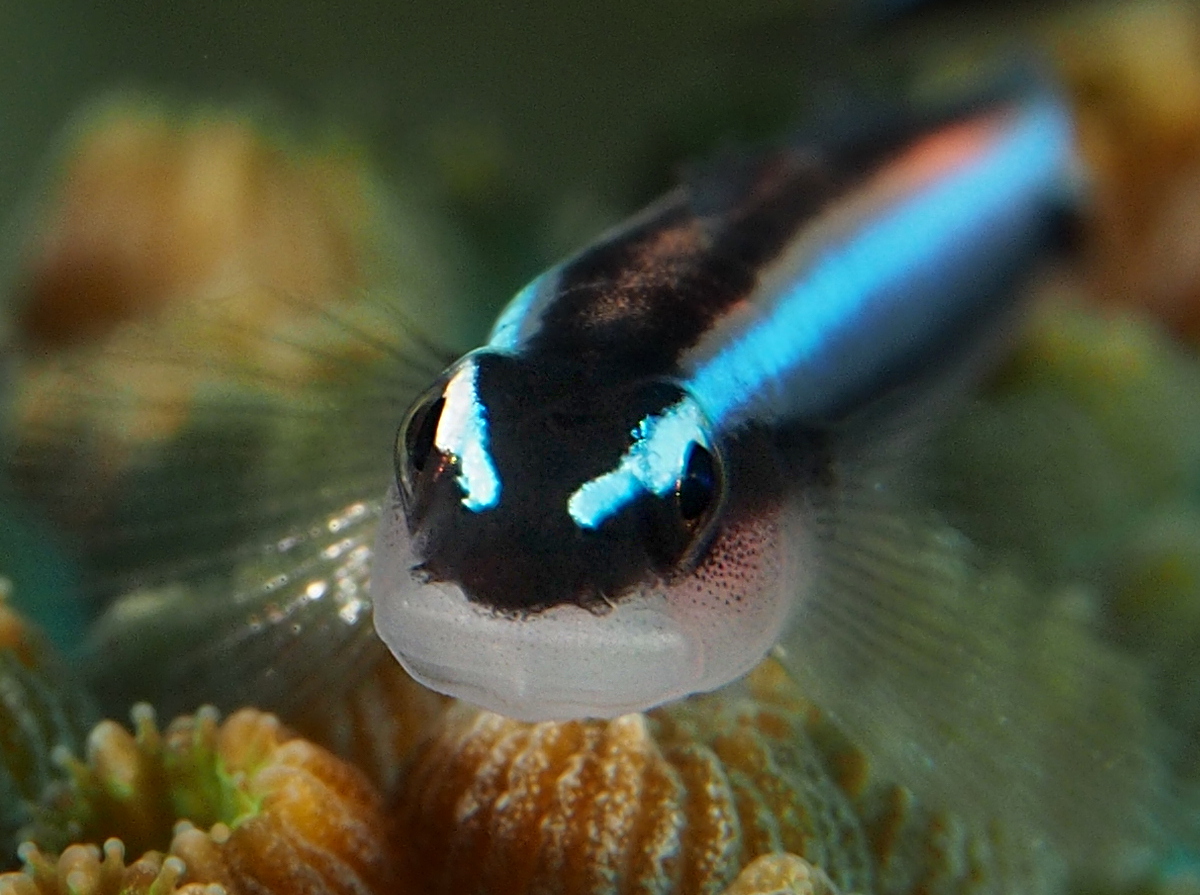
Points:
292	627
168	462
984	696
222	327
229	552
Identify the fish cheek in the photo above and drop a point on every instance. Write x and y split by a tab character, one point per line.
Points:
736	602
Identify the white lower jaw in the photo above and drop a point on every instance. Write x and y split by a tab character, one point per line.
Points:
651	647
562	663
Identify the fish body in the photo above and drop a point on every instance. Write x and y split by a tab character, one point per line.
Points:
697	442
618	499
692	443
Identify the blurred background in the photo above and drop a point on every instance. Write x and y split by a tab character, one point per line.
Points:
156	159
532	122
218	220
569	88
210	159
570	113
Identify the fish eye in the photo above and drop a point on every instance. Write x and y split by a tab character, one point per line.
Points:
678	537
696	490
415	443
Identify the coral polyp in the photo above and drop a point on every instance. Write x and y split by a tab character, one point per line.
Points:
781	874
88	869
244	804
377	724
676	801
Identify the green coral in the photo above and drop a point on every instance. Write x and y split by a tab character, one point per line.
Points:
1078	442
1080	463
137	786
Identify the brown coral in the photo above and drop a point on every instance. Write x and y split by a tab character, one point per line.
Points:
675	801
1141	143
281	814
185	262
153	206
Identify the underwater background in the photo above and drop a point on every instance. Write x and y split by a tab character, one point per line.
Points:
222	226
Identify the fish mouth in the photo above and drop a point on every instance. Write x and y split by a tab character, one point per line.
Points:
659	642
562	663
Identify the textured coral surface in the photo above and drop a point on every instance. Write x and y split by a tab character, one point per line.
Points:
781	874
675	801
243	804
86	869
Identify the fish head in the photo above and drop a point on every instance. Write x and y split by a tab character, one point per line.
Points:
557	544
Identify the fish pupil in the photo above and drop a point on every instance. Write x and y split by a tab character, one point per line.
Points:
422	428
698	485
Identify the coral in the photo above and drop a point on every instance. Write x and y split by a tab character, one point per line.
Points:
220	317
675	801
83	869
41	709
202	229
208	299
781	874
216	282
376	725
1154	611
1077	439
1082	461
153	205
281	814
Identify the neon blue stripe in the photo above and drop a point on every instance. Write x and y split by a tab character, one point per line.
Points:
652	464
463	433
842	288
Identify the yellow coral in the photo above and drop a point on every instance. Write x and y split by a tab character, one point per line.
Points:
152	207
377	724
209	231
677	801
84	870
282	815
781	874
1141	144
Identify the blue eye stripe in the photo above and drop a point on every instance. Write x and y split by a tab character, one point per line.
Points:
597	499
463	433
652	464
859	284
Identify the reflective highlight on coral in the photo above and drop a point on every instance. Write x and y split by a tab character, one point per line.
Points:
781	874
